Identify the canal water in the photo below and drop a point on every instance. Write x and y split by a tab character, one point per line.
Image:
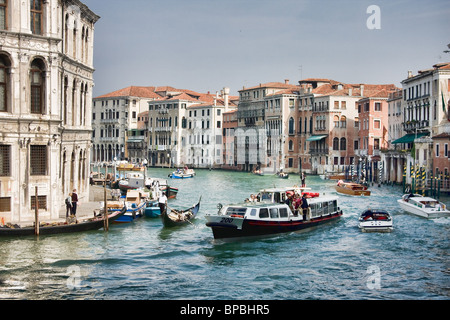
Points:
144	261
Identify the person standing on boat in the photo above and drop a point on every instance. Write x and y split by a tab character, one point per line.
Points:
68	202
304	206
303	180
74	202
297	203
162	201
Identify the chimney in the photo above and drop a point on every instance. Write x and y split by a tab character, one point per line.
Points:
410	74
350	92
226	93
362	90
286	81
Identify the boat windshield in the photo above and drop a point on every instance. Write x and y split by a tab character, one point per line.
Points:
236	211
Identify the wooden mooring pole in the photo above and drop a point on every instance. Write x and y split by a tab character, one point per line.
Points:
36	212
105	207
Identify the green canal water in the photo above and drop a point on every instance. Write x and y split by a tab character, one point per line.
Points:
145	261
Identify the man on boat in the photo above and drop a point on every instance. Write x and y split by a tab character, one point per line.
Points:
304	206
162	201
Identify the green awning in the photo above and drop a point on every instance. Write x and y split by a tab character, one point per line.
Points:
316	138
410	137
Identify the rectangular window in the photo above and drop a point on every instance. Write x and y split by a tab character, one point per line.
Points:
5	204
377	124
5	161
38	160
36	16
377	106
3	14
437	150
446	150
42	202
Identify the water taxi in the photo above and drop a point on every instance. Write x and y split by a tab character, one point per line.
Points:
182	174
423	206
375	220
351	188
270	216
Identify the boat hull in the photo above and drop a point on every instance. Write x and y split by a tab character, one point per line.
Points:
376	226
69	228
227	228
131	214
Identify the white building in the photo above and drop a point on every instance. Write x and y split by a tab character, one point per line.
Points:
202	145
114	116
46	80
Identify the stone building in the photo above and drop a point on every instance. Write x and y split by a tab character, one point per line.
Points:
46	80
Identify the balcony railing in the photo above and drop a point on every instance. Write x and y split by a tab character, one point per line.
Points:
318	151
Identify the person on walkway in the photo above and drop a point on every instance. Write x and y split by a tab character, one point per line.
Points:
74	202
68	202
162	201
304	206
303	180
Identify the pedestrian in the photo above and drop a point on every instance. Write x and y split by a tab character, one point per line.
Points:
304	206
162	202
303	180
68	202
74	202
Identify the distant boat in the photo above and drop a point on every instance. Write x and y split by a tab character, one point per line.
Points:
283	175
423	206
351	188
375	220
182	174
172	217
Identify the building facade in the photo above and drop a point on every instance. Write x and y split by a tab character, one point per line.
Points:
46	66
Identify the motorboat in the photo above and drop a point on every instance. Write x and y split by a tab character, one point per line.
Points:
135	201
375	220
182	174
426	207
134	180
270	216
352	188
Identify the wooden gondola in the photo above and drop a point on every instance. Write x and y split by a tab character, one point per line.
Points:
46	229
172	217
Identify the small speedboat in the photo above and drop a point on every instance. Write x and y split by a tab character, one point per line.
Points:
152	209
375	220
423	206
351	188
182	174
283	175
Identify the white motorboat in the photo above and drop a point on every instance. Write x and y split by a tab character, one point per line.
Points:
423	206
375	220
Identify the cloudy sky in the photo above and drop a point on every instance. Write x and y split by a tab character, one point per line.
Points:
205	45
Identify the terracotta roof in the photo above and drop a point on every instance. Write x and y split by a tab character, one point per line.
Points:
280	85
133	91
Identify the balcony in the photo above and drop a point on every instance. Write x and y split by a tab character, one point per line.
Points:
318	151
413	125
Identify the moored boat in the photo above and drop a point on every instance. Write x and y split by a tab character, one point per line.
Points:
270	217
152	209
375	220
426	207
134	180
95	223
172	217
351	188
135	202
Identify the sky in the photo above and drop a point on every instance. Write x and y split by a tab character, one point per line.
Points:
206	45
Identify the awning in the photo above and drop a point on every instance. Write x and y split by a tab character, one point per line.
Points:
410	137
316	138
135	140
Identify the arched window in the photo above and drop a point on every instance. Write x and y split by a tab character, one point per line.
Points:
291	126
343	122
343	144
336	144
4	83
336	121
37	81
